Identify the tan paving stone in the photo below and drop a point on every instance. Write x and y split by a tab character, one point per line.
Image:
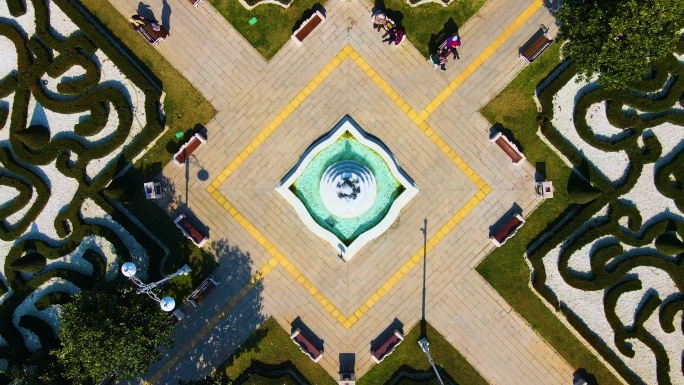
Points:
249	93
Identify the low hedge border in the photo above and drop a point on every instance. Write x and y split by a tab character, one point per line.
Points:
608	270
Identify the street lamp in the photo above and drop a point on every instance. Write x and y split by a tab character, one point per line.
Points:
425	345
128	269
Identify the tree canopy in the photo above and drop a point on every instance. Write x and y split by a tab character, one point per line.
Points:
111	328
619	40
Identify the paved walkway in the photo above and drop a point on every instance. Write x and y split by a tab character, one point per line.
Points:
270	112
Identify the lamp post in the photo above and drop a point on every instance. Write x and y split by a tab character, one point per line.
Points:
425	345
128	269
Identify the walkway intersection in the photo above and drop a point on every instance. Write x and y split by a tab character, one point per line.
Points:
270	112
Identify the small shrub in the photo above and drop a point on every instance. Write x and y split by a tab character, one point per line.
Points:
29	263
34	137
580	190
120	189
668	243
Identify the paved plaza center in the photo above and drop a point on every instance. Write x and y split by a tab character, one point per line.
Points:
269	113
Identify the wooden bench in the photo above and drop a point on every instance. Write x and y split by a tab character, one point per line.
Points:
307	27
187	149
190	231
508	230
202	291
534	47
387	347
508	147
196	3
306	346
148	33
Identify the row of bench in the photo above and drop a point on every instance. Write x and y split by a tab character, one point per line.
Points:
315	354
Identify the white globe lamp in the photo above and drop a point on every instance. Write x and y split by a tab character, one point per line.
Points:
167	304
128	269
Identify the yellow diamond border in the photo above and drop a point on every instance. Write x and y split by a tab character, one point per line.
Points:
278	257
418	118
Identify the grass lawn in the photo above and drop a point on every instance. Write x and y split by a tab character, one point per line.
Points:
426	25
429	24
274	23
409	357
185	108
270	345
505	268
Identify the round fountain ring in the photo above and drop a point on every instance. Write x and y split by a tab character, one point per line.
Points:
348	189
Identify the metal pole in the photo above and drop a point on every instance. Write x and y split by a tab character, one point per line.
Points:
425	345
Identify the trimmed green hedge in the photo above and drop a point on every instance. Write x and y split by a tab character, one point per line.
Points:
609	263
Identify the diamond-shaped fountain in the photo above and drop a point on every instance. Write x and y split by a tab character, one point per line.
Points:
347	188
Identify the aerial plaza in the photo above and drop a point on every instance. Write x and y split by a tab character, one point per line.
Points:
276	191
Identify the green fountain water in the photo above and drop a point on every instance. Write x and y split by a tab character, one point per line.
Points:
347	148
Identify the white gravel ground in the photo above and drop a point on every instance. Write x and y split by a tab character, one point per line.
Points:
62	189
614	164
7	194
8	59
75	261
652	205
61	25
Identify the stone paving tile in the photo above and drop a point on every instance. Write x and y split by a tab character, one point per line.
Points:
250	92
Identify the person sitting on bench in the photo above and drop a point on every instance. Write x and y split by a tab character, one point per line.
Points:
396	34
443	58
137	21
379	19
451	43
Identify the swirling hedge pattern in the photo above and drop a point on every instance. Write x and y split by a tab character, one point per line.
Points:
656	100
46	54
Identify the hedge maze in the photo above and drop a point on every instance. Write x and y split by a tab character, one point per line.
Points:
26	149
621	242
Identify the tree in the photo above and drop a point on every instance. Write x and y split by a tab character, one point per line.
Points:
110	327
41	368
619	40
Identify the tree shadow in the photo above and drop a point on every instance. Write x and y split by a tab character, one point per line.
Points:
307	14
408	375
260	373
233	310
450	28
553	6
